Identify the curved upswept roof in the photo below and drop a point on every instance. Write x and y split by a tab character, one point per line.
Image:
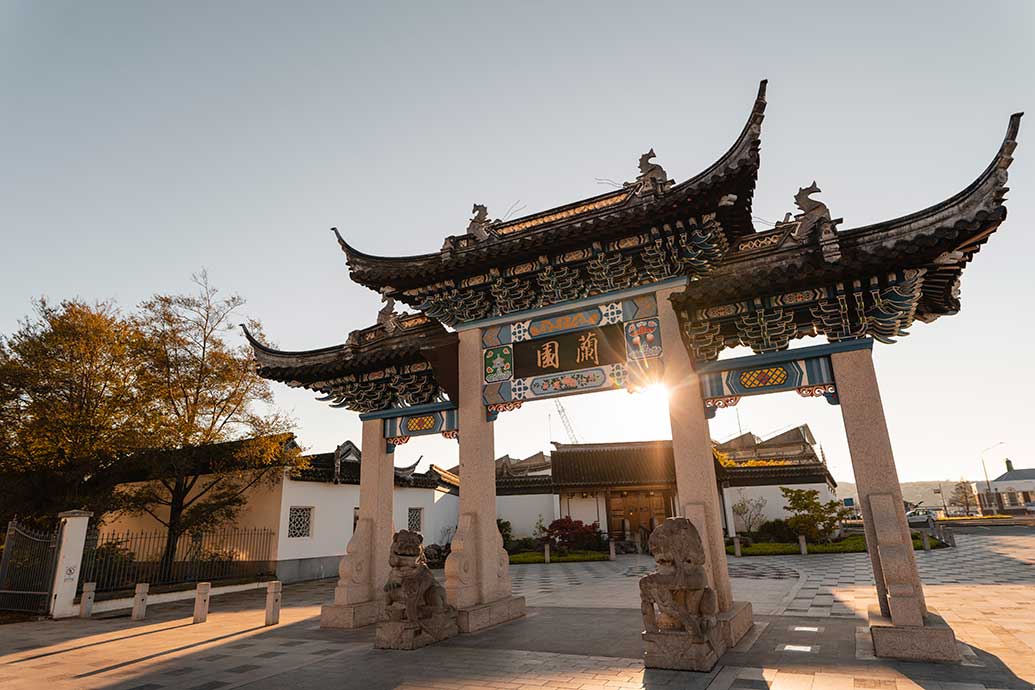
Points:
409	339
942	238
728	184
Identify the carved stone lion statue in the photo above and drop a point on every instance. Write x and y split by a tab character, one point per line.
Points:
414	612
679	607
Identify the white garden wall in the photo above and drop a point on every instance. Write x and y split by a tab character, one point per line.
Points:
523	512
441	511
775	502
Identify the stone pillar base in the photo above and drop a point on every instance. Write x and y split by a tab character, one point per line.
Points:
932	641
406	635
348	615
678	650
481	616
735	622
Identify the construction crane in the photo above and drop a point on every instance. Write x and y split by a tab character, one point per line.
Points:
568	428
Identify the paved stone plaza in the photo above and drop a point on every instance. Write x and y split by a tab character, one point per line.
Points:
582	631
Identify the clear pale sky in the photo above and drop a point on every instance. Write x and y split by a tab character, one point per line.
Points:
142	141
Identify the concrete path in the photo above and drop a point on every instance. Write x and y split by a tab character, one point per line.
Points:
591	642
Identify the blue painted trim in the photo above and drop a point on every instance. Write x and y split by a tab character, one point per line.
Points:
408	411
574	304
784	356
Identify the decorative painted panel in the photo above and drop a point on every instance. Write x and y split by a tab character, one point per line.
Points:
616	344
420	424
810	376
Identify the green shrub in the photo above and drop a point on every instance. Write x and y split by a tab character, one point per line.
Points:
570	557
775	531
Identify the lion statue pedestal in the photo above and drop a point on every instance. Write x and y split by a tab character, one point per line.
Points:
679	608
415	613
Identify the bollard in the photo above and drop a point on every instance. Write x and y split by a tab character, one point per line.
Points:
611	550
273	590
140	602
86	600
950	536
546	552
926	539
736	546
802	545
201	595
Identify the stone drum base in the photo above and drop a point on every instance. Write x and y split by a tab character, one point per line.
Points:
678	650
734	623
407	635
348	615
933	641
481	616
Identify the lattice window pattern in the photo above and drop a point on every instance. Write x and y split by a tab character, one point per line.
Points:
300	522
415	519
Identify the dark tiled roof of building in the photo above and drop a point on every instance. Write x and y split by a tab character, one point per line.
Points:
1016	475
613	464
321	469
523	485
649	463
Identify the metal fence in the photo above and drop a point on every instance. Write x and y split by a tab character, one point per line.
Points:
27	569
119	560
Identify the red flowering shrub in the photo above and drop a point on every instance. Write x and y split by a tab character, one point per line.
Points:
574	535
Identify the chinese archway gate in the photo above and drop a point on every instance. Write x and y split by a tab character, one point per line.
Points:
646	283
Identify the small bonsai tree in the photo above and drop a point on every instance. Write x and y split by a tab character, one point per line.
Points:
817	521
750	511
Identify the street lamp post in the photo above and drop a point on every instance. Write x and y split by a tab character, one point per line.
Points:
988	484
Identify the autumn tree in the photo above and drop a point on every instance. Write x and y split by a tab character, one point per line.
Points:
962	496
70	408
816	520
205	392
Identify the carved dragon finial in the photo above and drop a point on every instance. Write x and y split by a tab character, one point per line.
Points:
479	222
815	216
386	316
652	176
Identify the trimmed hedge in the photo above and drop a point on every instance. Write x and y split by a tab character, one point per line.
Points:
570	557
853	544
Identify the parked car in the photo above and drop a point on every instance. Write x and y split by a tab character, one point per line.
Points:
920	517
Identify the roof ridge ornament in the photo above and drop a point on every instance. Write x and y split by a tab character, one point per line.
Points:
479	225
652	177
814	216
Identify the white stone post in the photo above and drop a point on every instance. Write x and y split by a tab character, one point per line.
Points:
802	545
736	546
546	552
926	539
86	599
140	602
902	627
72	540
273	591
696	483
478	567
201	597
363	570
610	549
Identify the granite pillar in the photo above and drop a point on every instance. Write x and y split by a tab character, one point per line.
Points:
478	567
902	610
364	567
696	483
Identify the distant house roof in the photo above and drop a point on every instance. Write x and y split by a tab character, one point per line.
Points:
1016	475
339	468
613	464
651	463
